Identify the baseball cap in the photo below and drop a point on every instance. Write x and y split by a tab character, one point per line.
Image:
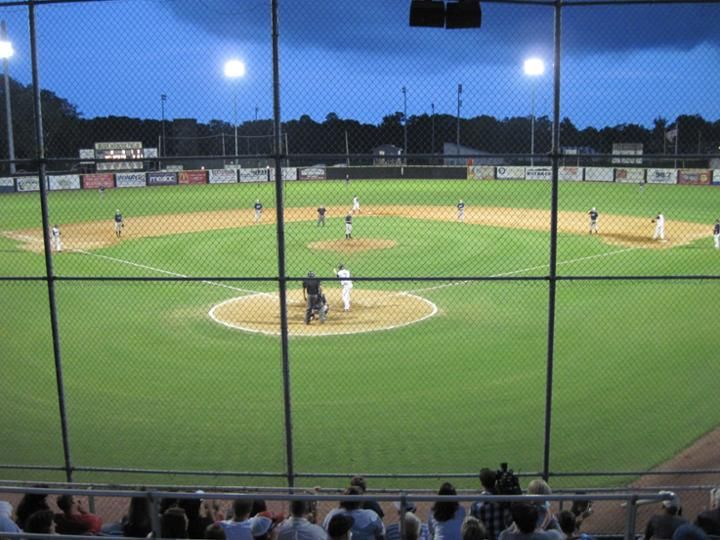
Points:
670	503
339	525
409	506
260	526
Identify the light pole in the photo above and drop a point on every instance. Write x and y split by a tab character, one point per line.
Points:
235	69
163	149
432	129
533	67
457	135
6	51
404	91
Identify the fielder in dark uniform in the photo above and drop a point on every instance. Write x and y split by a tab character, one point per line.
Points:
348	227
593	213
312	291
321	216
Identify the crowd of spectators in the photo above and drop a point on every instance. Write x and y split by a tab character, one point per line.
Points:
249	519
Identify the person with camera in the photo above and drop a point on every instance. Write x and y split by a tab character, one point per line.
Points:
494	515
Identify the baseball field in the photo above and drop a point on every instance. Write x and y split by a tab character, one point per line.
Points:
440	375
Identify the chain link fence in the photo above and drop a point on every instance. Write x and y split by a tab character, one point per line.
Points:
512	227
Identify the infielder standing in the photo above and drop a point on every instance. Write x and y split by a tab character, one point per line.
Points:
344	275
348	227
593	213
119	223
659	222
321	216
258	210
716	233
356	205
461	210
56	238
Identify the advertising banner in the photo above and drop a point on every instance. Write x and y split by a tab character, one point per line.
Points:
538	173
716	176
192	177
98	180
253	175
510	173
130	180
570	174
694	176
661	176
28	183
630	175
64	181
311	173
481	172
289	173
7	185
222	176
599	174
161	178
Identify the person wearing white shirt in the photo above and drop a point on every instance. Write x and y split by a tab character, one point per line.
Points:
297	526
347	285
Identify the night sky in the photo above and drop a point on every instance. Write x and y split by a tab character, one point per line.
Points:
621	64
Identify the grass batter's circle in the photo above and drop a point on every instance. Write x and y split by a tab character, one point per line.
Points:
371	310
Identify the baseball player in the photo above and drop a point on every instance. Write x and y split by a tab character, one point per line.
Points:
312	291
716	233
593	213
119	223
258	210
659	222
56	238
321	216
461	210
356	205
348	227
344	275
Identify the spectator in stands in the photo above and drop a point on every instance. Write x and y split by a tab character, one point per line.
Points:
74	518
546	518
261	527
664	524
215	532
29	504
238	528
298	526
495	516
41	522
360	482
198	522
258	506
473	529
709	520
570	526
411	521
367	525
174	523
138	522
689	532
447	516
525	525
6	521
339	527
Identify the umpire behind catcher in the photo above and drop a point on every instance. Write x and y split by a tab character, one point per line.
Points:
311	293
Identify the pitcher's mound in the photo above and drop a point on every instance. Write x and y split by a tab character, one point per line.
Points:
371	310
354	245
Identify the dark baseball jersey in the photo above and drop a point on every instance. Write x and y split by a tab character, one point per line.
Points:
593	215
461	206
348	219
716	228
258	206
321	211
312	286
118	218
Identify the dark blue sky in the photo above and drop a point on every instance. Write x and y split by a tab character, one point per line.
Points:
620	63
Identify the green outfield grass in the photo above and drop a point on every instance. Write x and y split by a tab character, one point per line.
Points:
153	382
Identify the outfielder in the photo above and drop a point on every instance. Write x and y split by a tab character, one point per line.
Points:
119	223
258	210
716	233
356	205
461	210
321	216
659	222
348	227
56	238
344	275
593	213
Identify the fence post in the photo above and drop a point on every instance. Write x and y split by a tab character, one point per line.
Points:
403	509
630	518
154	515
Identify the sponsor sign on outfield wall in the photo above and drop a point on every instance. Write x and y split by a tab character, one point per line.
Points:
130	180
570	174
481	172
192	177
538	173
288	173
694	176
630	175
510	173
161	178
222	176
599	174
7	185
311	173
661	176
28	183
95	181
253	175
64	181
716	176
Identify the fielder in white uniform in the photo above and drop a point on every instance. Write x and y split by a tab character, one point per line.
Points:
344	275
119	223
716	233
56	238
258	210
461	210
348	227
659	227
356	204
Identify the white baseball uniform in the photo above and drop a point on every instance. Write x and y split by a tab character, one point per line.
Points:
659	227
56	239
344	275
716	234
356	205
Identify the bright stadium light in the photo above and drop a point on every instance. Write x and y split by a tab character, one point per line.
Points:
533	67
235	69
6	51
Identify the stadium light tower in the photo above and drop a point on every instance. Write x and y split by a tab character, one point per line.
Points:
6	51
404	92
235	69
533	67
